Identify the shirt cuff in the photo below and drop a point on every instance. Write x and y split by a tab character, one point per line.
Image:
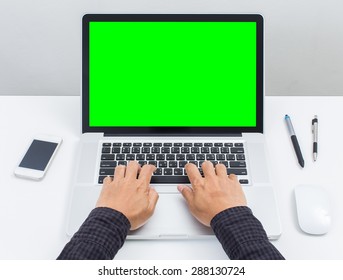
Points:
106	227
237	227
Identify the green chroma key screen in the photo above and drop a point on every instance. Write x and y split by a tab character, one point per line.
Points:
181	74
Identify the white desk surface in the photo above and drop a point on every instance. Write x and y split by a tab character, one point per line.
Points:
32	214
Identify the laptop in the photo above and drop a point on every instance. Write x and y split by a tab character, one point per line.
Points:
168	89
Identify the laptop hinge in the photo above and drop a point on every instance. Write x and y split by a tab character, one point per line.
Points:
172	135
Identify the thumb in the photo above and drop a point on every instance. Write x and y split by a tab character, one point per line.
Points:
153	198
187	193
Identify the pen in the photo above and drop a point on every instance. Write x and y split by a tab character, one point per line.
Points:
294	141
315	137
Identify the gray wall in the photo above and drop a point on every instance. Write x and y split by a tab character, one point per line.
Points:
40	41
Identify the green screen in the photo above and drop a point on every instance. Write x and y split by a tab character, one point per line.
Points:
183	74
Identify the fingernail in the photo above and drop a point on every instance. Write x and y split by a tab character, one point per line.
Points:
180	188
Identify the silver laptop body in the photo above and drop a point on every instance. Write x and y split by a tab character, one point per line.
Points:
172	218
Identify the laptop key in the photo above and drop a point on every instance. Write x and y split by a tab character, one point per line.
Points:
210	157
220	157
167	171
106	150
158	171
107	157
147	144
225	163
120	157
170	157
152	162
238	144
130	157
236	171
106	171
178	171
115	150
175	150
200	157
150	157
237	150
230	157
194	162
244	181
174	179
155	150
142	162
228	144
106	144
238	164
240	157
137	144
140	157
162	164
218	144
161	157
180	157
190	157
108	163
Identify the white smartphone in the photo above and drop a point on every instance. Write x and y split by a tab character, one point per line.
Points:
38	157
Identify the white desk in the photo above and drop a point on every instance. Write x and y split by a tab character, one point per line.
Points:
32	214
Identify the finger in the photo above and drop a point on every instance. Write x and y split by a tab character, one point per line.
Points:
208	169
153	198
119	172
146	173
132	169
107	180
193	173
187	193
233	177
221	170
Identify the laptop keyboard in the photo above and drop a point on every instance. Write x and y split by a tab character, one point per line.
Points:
171	158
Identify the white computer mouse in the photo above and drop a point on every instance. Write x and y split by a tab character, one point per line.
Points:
313	209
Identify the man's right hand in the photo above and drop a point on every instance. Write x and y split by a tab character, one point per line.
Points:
213	193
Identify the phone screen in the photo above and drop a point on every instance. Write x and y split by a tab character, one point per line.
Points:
38	155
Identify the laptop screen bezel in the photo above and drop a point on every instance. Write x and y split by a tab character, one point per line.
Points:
177	18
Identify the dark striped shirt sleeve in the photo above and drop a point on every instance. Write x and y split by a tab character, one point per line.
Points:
242	235
99	238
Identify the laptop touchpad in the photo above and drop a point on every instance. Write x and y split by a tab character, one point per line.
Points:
171	220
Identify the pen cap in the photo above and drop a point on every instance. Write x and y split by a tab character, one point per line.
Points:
289	125
315	129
